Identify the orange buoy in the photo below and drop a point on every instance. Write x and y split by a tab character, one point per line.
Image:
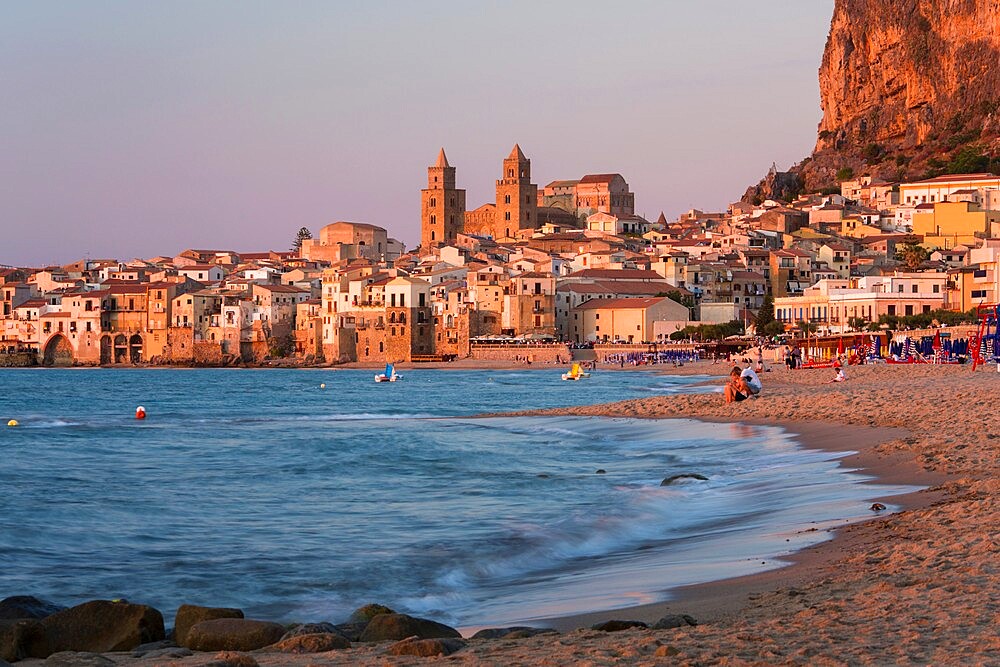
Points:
140	412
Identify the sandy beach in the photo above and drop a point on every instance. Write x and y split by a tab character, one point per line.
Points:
914	587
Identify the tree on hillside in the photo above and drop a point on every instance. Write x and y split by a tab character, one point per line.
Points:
301	236
912	255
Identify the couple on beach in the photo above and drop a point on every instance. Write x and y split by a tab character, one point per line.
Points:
743	383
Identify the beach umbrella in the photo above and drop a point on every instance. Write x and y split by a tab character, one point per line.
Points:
877	345
840	346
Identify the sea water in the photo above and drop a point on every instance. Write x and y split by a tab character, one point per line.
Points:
261	490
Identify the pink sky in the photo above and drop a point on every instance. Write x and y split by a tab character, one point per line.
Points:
132	130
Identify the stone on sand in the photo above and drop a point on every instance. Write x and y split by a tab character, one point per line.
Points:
189	615
426	648
314	643
98	626
232	634
386	627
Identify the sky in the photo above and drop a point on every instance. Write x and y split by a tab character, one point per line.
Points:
134	129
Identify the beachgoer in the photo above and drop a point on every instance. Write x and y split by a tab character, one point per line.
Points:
736	388
840	376
752	381
760	359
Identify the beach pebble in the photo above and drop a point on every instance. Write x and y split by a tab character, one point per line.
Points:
386	627
426	648
665	651
174	653
617	626
687	475
231	659
515	632
26	606
189	615
232	634
16	638
368	612
674	621
99	626
142	649
78	659
315	643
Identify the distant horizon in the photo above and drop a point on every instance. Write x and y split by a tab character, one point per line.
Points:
135	131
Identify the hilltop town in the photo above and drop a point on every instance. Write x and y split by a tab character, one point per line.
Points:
564	265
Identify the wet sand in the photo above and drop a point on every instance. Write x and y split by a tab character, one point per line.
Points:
915	587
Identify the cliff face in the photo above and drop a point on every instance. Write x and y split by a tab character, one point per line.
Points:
905	85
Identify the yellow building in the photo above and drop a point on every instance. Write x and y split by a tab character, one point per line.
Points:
628	320
950	224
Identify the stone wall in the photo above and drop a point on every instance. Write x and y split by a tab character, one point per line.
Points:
537	354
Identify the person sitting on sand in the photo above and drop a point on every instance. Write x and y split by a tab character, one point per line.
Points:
839	377
736	388
752	381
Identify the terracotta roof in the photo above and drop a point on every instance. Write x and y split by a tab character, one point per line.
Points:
623	303
599	178
956	177
620	274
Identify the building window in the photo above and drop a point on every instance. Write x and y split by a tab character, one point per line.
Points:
506	199
506	215
433	201
914	290
433	219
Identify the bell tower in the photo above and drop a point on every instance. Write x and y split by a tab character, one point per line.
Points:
517	196
442	210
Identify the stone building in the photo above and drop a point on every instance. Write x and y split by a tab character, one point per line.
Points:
516	202
442	206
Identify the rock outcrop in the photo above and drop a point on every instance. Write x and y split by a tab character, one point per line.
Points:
906	86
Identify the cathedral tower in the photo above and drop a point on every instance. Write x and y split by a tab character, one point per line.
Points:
517	196
442	211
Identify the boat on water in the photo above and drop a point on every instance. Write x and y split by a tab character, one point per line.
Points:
575	373
389	375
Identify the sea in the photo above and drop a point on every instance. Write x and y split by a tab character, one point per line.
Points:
300	495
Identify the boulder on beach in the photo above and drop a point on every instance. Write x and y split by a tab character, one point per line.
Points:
26	606
687	475
311	629
98	626
352	631
386	627
368	612
617	626
232	634
426	648
320	642
674	621
17	636
189	615
514	632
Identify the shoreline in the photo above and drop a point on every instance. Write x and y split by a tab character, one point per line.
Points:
913	586
712	601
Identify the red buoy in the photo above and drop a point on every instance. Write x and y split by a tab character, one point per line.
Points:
140	412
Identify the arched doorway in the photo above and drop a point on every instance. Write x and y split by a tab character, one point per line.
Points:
58	352
121	349
105	350
135	348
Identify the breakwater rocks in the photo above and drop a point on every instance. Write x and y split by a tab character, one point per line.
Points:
33	628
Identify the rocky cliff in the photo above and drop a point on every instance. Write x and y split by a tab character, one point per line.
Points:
908	88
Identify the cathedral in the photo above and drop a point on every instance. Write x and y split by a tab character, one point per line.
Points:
443	214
